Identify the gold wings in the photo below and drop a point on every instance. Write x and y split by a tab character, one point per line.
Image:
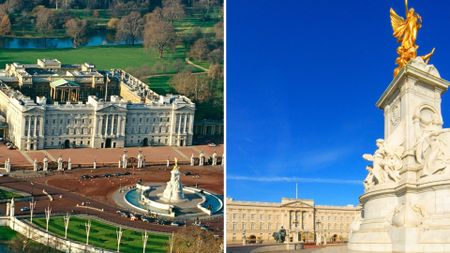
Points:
397	23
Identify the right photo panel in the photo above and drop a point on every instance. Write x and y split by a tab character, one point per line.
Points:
336	136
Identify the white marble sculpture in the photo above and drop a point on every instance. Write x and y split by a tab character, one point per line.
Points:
192	160
8	165
386	165
405	202
201	159
69	164
35	165
214	159
140	161
173	192
60	163
94	165
45	164
124	160
167	163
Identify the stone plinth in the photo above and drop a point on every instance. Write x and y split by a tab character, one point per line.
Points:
406	204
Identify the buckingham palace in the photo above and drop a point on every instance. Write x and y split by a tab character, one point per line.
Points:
55	105
304	221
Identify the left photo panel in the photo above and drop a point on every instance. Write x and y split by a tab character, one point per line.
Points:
112	126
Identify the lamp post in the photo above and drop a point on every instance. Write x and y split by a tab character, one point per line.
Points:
88	230
32	206
144	240
119	237
48	212
66	224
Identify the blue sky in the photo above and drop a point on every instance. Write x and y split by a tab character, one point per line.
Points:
303	78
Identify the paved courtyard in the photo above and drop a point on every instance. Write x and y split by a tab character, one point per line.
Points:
88	155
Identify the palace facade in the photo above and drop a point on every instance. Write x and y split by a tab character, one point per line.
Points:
302	219
54	105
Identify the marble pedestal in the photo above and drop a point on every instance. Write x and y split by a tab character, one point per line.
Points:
406	204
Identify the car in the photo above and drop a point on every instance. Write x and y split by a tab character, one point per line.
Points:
162	222
212	144
24	209
177	223
187	173
146	219
203	227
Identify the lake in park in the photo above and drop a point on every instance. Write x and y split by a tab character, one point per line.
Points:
99	38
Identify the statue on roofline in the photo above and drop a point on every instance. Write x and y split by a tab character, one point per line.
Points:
405	31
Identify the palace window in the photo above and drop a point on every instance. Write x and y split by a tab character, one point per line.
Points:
234	226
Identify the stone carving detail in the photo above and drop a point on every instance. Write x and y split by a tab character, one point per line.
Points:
395	115
432	152
408	215
386	165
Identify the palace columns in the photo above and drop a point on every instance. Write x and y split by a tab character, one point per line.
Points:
106	125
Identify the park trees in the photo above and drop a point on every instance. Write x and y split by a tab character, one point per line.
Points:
44	19
5	24
195	86
113	23
130	27
159	35
193	239
200	50
76	29
172	10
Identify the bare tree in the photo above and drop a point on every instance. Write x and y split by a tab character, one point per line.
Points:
5	25
44	18
191	85
215	72
192	239
76	29
216	56
206	6
159	35
154	16
218	31
130	27
199	50
113	23
172	10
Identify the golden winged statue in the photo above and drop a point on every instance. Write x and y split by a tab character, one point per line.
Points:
405	31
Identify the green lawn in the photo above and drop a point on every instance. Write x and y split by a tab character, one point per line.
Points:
104	57
104	235
160	84
7	234
8	195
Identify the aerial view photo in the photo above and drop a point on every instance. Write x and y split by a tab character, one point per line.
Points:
112	126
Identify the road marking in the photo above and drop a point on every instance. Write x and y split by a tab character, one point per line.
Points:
27	157
180	153
49	155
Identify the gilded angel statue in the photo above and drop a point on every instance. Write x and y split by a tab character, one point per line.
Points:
405	31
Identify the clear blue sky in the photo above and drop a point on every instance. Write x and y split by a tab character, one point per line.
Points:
303	78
